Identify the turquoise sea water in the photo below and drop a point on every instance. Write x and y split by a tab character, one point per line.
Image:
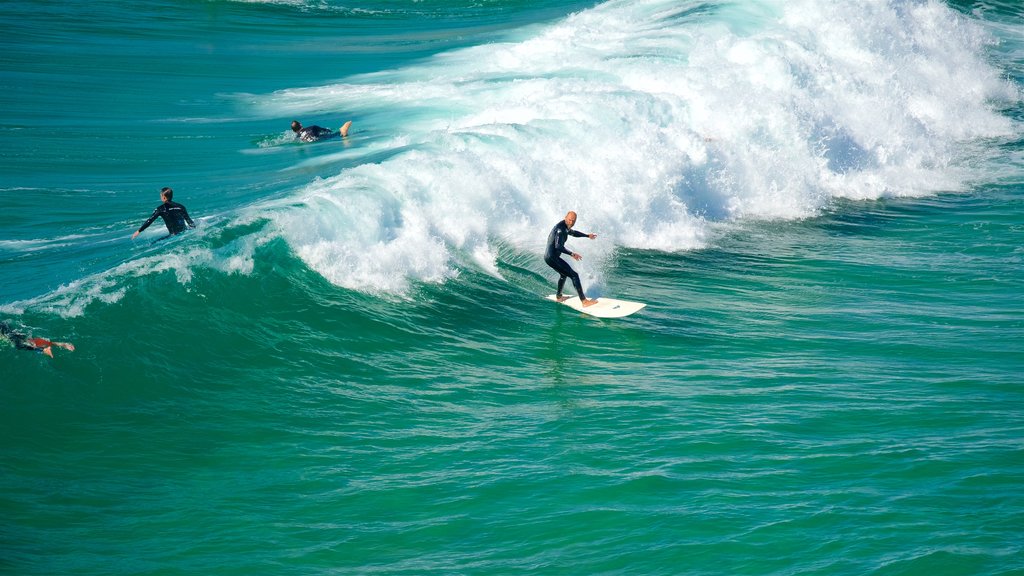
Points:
349	366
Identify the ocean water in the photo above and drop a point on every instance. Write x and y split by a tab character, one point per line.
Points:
349	366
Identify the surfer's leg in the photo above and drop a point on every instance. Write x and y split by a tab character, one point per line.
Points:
564	271
561	284
344	129
579	287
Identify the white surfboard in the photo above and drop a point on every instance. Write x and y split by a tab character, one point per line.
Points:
605	307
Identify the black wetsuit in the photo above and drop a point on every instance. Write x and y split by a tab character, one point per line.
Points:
314	133
17	338
175	216
553	256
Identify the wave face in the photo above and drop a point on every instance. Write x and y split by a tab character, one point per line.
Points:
662	124
655	121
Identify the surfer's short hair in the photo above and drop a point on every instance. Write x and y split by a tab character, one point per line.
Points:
165	191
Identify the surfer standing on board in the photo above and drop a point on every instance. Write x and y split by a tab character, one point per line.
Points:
314	133
553	256
175	215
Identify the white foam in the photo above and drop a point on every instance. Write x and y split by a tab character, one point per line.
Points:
110	286
651	124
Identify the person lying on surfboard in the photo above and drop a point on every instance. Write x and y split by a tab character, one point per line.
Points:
314	133
175	215
23	342
553	256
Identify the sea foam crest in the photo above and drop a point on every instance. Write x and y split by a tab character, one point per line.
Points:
652	119
110	286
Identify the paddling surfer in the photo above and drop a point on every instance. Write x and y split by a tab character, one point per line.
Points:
175	215
553	256
314	133
23	342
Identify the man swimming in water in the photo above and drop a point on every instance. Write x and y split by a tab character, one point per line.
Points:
314	133
175	215
553	256
22	342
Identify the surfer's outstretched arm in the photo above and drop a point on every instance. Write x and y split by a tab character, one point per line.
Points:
146	223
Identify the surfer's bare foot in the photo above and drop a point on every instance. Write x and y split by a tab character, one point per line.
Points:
589	302
344	128
561	298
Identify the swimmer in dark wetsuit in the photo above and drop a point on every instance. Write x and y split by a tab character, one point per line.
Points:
553	256
22	342
175	215
314	133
